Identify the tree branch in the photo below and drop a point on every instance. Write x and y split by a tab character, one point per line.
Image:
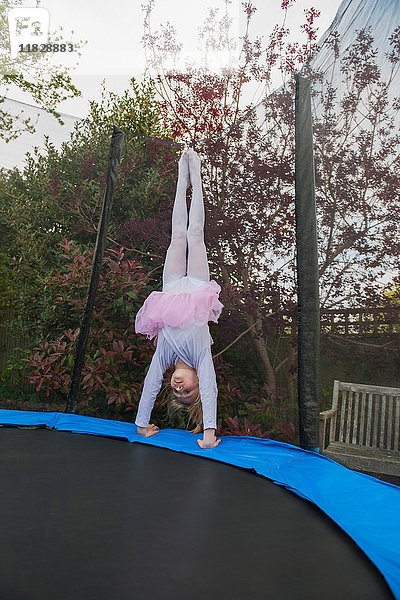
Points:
379	346
136	250
235	340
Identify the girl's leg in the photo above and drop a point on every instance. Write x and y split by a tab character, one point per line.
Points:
197	259
175	261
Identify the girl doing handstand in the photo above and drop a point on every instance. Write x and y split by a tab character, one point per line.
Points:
179	315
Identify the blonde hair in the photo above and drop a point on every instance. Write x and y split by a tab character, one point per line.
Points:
194	410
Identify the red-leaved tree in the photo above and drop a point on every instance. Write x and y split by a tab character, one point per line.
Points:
248	171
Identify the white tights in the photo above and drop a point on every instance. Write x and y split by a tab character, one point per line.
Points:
183	236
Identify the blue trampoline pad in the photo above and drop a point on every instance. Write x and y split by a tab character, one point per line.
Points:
365	508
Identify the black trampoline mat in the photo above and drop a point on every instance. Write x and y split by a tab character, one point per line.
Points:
85	517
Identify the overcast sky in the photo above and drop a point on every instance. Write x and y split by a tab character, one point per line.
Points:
113	32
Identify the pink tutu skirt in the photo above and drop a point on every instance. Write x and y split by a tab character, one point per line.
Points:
177	308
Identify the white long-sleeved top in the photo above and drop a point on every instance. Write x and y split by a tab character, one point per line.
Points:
193	346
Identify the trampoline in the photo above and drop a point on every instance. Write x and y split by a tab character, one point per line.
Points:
95	517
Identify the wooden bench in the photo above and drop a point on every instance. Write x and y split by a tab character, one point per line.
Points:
362	429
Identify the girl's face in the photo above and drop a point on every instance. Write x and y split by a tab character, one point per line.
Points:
185	385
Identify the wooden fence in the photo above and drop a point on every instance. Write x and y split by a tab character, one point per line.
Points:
350	322
8	344
361	321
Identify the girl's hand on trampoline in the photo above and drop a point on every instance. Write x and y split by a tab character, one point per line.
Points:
205	445
148	431
209	440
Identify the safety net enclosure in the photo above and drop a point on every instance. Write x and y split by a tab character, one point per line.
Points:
112	514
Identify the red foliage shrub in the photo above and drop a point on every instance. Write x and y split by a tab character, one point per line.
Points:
115	357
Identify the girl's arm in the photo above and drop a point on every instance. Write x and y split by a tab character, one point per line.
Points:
208	394
151	387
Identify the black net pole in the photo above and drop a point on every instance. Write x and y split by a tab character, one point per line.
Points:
114	160
307	272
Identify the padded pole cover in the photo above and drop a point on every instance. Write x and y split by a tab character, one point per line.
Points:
307	271
114	160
